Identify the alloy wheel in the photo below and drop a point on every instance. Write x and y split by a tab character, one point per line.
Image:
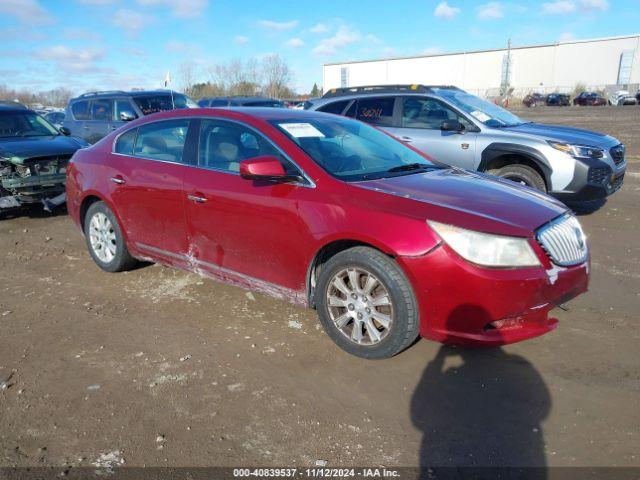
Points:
102	237
360	306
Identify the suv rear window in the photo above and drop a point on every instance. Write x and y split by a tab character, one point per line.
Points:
158	103
335	107
377	111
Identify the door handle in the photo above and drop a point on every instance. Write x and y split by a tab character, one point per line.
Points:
114	127
85	127
197	198
406	139
117	180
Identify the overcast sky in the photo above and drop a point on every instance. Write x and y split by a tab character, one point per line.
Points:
108	44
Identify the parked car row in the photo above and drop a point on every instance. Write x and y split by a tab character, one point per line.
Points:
553	99
241	102
620	97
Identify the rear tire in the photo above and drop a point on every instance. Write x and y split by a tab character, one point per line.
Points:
366	304
523	174
105	240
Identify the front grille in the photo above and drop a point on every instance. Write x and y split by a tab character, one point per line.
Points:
617	153
599	175
564	241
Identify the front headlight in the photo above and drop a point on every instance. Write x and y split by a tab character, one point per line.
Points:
578	151
487	249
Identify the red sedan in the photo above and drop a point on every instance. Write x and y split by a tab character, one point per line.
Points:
589	99
331	213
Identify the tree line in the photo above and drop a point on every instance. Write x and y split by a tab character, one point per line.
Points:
57	97
270	77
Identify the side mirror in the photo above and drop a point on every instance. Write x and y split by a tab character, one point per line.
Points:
451	126
127	116
267	168
64	131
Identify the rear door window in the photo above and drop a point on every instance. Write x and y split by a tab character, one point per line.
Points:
162	140
335	107
376	111
102	110
80	110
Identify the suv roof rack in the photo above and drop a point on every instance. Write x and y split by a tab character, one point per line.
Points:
339	92
103	92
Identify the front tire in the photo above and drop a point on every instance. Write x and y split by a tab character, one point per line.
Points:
366	304
105	240
522	174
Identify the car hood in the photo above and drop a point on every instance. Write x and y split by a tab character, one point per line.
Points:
565	134
18	149
481	201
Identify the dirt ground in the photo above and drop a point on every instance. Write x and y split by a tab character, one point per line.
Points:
160	367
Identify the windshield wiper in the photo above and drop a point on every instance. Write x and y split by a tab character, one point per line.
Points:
411	166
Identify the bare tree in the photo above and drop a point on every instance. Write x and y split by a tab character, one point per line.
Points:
58	97
187	76
271	77
276	76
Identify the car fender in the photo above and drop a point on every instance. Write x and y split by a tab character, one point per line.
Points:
498	149
102	198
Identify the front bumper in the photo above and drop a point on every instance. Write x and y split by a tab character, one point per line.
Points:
593	180
42	181
464	304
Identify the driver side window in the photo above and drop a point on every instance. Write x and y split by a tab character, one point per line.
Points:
428	114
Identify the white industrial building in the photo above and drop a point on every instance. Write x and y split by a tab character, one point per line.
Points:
603	63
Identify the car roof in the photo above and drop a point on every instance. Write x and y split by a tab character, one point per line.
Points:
122	93
345	98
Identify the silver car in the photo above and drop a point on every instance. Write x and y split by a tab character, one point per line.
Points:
460	129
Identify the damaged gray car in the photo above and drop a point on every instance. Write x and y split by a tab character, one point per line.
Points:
33	159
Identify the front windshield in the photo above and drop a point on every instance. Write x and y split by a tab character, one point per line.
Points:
24	124
351	150
486	112
159	103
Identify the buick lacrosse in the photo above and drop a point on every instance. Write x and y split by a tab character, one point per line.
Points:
331	213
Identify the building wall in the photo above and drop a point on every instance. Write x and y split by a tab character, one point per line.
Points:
594	63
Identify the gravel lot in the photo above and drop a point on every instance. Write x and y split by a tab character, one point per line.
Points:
160	367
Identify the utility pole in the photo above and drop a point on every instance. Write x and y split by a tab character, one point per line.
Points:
506	73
